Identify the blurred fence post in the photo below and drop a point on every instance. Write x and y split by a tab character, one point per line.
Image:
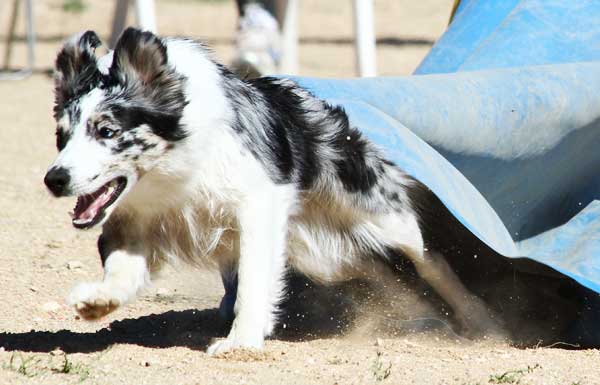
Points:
364	37
145	15
289	58
6	74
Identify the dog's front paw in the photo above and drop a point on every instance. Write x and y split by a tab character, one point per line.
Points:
93	300
229	344
219	347
236	341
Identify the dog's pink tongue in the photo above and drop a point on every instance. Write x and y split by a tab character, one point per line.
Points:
93	207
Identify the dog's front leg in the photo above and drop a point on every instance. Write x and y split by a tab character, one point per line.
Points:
125	273
263	228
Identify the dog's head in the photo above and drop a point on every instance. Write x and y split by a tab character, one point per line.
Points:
114	121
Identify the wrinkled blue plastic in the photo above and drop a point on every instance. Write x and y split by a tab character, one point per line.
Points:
512	147
510	33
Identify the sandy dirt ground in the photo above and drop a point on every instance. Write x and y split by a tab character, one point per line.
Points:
162	337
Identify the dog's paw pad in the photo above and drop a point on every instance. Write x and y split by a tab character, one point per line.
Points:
94	310
92	301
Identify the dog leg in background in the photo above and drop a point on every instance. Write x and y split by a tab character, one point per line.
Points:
230	282
125	274
470	311
263	221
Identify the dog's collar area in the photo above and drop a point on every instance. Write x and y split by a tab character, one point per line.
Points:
91	208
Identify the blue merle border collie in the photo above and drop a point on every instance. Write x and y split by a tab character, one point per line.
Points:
178	158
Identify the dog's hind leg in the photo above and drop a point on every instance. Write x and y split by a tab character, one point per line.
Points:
469	310
125	274
403	233
230	282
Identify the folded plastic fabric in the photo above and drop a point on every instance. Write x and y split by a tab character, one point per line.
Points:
512	153
503	125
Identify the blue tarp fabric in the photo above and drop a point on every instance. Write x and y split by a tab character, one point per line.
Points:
502	123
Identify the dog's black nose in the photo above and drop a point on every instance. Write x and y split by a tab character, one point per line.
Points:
57	180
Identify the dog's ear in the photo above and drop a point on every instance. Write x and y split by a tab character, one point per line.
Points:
75	66
139	56
141	67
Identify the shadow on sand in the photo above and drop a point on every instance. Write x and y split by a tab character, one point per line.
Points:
314	312
189	328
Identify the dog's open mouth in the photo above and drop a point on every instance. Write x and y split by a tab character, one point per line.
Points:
90	209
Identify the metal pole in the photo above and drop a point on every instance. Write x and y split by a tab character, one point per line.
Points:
30	34
11	34
118	23
6	74
364	30
289	59
145	14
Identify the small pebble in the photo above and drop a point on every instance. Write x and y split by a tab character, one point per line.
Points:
162	291
57	352
51	306
72	265
54	245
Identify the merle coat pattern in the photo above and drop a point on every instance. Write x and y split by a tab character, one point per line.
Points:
179	159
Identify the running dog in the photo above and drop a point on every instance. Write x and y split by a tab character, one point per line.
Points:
178	158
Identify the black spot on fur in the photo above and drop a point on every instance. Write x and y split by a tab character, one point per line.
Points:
291	142
162	123
62	137
103	248
294	140
124	144
289	136
74	112
143	144
352	168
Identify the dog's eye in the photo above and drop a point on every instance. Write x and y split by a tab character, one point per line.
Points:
105	132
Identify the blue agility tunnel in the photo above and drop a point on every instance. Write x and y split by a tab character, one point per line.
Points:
502	122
